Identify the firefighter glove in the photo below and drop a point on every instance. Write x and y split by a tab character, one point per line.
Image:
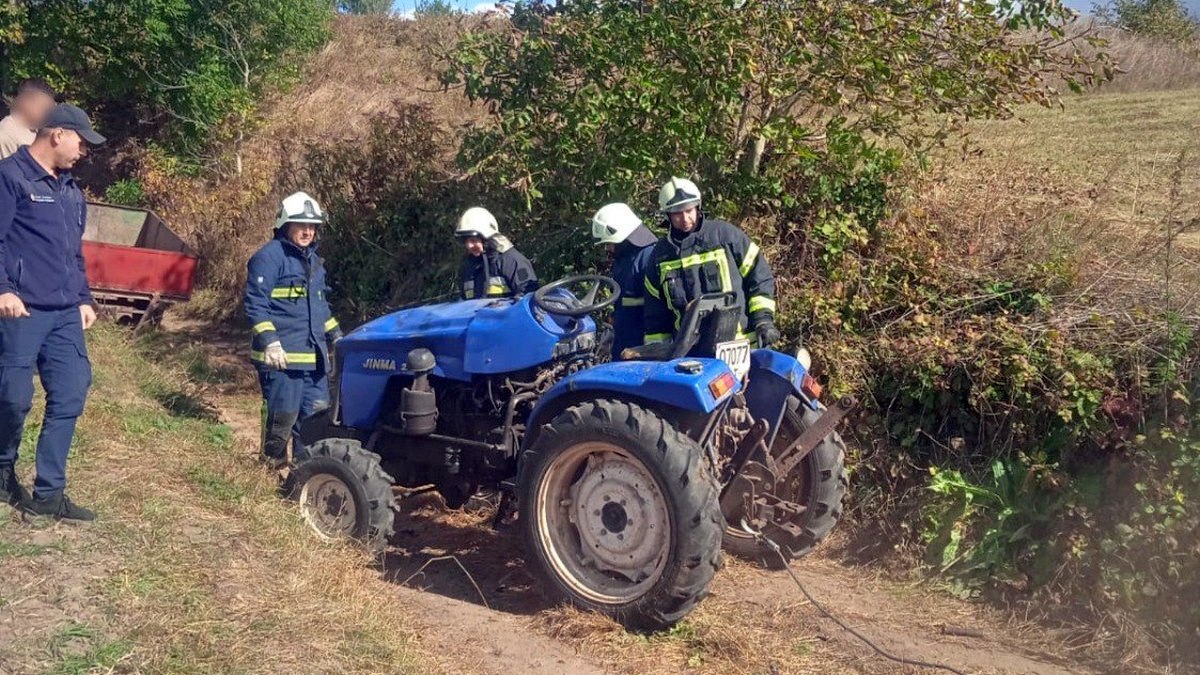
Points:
768	334
275	357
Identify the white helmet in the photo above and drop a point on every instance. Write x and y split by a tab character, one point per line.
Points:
477	222
613	223
677	194
299	208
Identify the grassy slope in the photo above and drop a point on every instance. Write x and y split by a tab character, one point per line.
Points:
195	565
1109	159
1110	185
1119	149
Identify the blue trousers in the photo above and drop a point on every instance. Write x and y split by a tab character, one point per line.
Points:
289	397
50	341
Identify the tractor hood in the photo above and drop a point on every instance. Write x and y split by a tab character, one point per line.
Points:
471	337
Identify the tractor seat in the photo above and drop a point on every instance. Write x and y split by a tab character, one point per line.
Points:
655	351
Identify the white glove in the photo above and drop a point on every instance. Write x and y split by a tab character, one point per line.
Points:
275	357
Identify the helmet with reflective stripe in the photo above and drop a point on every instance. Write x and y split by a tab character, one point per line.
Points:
613	223
299	208
678	194
477	222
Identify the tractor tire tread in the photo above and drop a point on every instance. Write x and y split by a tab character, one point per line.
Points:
686	580
375	482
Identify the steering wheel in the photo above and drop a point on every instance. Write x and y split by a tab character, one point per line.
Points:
582	306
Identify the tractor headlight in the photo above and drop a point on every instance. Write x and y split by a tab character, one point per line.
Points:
804	358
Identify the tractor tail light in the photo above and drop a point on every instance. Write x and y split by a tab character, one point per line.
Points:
811	387
722	385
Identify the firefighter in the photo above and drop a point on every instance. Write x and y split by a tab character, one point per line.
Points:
493	268
629	243
703	255
292	325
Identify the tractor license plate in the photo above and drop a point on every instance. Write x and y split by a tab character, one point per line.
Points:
736	353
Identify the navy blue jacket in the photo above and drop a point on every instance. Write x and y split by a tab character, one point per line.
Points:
501	272
629	269
42	219
287	300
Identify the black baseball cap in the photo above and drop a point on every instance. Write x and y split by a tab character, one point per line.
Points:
67	116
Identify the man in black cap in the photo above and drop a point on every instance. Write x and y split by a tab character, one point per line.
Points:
45	306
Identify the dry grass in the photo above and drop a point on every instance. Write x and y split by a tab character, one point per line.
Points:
1110	186
371	65
195	565
1149	64
1106	193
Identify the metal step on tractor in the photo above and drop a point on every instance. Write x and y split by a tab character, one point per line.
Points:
628	476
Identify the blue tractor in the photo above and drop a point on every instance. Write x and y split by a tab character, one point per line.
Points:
628	476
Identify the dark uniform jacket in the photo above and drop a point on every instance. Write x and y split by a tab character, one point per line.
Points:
501	272
42	219
287	300
714	257
628	269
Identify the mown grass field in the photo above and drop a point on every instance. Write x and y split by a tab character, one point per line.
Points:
1120	163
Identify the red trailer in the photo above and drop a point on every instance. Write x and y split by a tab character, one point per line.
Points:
136	266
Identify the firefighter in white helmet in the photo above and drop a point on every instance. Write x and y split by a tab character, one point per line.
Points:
703	255
287	302
629	243
492	268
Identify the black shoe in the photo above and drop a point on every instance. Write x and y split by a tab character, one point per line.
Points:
59	506
11	490
272	463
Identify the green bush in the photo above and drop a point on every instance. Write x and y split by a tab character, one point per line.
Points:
183	73
391	214
126	192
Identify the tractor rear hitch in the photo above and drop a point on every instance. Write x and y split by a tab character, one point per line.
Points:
813	436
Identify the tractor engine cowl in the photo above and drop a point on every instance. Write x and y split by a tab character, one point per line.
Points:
418	402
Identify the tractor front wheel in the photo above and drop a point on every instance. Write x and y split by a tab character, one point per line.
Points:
344	493
619	513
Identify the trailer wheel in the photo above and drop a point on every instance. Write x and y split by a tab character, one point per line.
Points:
619	514
344	493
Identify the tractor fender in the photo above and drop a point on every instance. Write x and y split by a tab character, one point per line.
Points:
774	378
682	384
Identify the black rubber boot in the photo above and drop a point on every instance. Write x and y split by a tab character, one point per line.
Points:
276	435
59	506
11	490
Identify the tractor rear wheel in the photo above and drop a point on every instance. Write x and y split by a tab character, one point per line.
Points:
620	514
344	493
818	483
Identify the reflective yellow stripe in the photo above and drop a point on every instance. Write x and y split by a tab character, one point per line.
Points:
262	327
294	358
748	261
497	290
656	337
633	302
469	293
289	292
651	289
331	324
761	302
714	256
